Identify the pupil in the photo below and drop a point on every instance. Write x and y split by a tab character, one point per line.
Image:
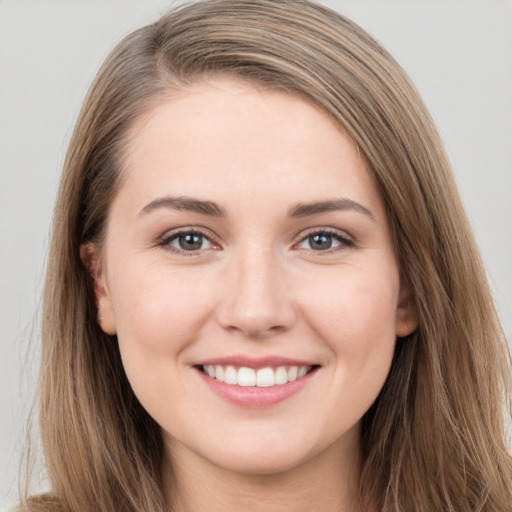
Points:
320	242
190	242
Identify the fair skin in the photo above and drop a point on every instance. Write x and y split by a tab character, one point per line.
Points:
248	238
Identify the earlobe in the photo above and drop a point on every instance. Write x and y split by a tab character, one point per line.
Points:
406	313
92	262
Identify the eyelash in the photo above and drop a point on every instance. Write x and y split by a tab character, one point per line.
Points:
165	241
344	240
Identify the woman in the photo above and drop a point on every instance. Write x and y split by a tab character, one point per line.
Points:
263	291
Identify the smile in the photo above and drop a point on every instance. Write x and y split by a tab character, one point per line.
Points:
249	377
255	382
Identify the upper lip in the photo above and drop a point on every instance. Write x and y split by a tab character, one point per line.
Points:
254	362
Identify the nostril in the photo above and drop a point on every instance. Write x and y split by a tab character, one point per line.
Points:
255	330
255	321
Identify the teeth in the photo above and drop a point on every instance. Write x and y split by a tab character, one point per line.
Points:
230	377
281	375
302	371
292	373
263	378
219	373
246	377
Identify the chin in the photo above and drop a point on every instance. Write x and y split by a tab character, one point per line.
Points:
271	452
263	462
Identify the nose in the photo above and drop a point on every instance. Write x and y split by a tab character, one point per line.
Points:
256	301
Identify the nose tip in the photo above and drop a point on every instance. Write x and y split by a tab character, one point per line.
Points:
252	325
255	303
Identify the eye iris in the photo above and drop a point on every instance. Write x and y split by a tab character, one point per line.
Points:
190	242
320	242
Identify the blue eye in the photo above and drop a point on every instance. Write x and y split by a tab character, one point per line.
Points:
189	241
323	241
320	242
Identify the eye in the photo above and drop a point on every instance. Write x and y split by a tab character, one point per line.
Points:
187	241
324	241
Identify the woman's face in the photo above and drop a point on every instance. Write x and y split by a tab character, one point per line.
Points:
248	244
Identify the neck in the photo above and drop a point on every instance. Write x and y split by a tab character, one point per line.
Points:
328	482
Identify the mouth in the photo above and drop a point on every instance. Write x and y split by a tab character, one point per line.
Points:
266	377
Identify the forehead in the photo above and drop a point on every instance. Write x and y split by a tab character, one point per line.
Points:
225	132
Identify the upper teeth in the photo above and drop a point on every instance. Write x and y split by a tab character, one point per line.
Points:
264	377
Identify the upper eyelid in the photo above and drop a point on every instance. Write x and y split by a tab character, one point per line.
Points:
328	230
345	241
186	230
175	232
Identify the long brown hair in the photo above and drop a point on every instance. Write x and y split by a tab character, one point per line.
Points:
434	440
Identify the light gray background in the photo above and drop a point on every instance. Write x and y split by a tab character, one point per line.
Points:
458	52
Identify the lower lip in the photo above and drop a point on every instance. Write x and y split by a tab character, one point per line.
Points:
253	396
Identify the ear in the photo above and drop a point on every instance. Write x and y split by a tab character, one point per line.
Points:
92	262
406	312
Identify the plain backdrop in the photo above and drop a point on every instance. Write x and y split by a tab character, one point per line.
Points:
458	53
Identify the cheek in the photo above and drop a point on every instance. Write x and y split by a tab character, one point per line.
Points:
354	313
159	309
159	312
351	311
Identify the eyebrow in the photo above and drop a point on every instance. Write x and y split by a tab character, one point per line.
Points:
213	209
185	203
315	208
